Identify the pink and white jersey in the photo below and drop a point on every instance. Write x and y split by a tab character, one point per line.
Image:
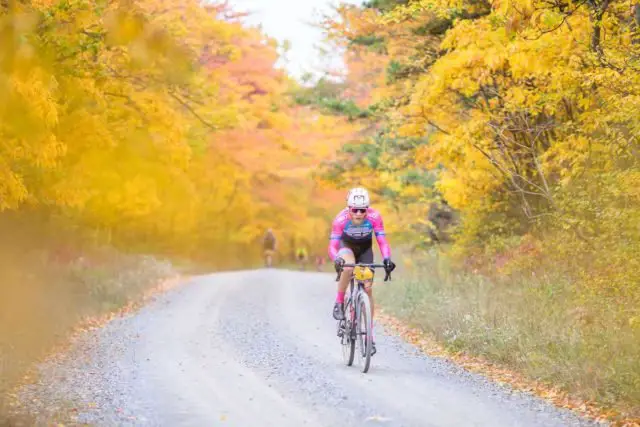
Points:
344	233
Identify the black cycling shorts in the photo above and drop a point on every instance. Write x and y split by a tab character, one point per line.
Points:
363	254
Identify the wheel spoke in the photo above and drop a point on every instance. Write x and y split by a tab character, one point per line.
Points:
347	342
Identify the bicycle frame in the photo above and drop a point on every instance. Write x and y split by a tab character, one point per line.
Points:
354	297
350	326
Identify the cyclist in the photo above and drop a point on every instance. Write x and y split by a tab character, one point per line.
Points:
301	256
352	241
269	246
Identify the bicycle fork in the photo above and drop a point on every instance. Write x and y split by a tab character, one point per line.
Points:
348	323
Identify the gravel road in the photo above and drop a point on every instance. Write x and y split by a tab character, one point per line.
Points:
258	348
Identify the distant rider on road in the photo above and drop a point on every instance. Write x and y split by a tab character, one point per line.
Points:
269	247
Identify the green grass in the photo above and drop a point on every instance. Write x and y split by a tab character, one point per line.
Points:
541	325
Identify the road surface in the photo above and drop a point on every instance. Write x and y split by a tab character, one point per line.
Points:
258	348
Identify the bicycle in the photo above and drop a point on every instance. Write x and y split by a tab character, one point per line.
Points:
268	257
302	261
356	328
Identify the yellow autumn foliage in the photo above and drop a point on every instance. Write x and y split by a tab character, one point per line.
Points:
141	119
510	136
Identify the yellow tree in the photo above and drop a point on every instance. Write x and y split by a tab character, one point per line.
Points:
105	113
500	127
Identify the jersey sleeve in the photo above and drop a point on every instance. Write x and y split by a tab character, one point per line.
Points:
337	227
381	236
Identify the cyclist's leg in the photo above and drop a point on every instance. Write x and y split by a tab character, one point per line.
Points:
349	258
268	253
347	255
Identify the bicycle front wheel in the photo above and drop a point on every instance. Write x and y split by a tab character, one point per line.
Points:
364	331
347	340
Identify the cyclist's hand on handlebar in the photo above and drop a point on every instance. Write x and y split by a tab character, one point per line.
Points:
338	264
389	265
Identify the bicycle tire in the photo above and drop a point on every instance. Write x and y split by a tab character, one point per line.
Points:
347	341
365	339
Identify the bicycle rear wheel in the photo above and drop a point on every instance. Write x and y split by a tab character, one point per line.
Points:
364	333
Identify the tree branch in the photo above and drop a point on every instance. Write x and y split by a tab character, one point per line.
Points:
192	111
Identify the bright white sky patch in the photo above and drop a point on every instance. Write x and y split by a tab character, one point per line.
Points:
291	20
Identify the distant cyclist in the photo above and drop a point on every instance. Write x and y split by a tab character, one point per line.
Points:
269	247
301	256
351	241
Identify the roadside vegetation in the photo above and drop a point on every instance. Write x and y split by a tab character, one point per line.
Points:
54	282
139	140
501	141
504	140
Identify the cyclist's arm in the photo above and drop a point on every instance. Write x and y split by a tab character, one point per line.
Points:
336	235
381	238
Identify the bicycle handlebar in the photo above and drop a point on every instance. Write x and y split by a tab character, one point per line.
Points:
387	275
361	264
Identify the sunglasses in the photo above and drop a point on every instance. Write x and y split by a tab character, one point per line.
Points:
358	210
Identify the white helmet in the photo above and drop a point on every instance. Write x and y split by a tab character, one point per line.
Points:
358	198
